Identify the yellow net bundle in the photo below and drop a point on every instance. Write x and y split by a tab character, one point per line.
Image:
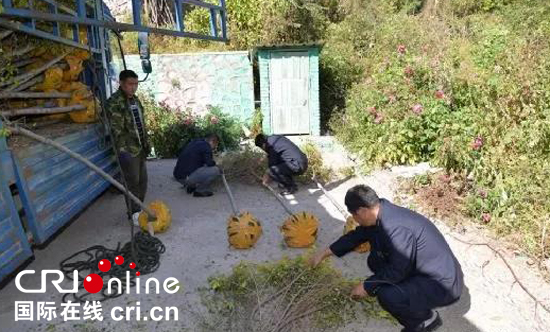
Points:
53	80
300	230
74	70
350	225
163	217
243	231
81	95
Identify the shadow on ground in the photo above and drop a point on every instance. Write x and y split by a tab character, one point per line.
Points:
196	249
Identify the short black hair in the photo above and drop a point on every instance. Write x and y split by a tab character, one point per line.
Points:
126	74
361	196
260	140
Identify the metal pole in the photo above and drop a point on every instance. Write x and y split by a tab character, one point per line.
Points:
230	194
136	12
180	25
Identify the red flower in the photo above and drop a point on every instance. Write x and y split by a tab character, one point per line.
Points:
477	143
439	94
409	71
372	110
482	193
214	120
486	217
417	109
401	49
188	121
379	118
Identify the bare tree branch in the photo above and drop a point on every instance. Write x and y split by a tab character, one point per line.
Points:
18	80
42	110
517	280
30	95
5	34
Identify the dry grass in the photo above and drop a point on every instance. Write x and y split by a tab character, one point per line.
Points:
244	164
440	195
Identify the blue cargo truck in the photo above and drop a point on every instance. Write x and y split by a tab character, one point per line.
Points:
41	188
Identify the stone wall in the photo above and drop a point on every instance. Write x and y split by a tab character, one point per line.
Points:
200	80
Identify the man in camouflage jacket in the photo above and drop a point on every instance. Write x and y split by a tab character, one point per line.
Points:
130	136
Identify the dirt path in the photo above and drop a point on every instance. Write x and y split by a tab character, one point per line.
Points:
197	248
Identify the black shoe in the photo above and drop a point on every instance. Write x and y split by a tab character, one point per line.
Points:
434	325
191	189
202	194
289	191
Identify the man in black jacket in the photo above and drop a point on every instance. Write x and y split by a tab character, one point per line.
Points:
196	168
415	271
284	160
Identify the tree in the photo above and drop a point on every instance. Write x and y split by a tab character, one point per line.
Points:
159	12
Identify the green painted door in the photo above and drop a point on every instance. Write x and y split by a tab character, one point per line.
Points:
289	92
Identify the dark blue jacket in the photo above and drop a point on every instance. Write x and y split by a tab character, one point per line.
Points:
281	150
408	244
196	154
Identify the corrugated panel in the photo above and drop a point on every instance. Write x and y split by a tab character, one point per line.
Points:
14	247
58	187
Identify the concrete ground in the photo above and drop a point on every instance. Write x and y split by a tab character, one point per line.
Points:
197	248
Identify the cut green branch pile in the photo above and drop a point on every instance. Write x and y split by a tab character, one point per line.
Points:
286	295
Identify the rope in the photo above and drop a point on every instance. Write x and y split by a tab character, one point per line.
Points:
147	249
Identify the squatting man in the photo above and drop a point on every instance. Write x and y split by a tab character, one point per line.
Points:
415	270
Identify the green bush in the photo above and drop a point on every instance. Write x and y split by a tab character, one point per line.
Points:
257	122
316	166
169	130
468	92
469	7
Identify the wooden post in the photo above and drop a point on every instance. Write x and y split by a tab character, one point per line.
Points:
42	110
17	81
33	82
33	95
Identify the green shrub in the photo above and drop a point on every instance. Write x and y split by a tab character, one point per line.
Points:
469	7
316	166
482	81
170	130
257	122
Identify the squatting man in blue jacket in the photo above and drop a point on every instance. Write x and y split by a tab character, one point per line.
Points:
415	270
196	168
284	159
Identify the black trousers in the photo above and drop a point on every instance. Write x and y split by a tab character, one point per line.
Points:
411	301
135	174
283	173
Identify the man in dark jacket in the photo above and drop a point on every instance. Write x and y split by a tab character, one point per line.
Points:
284	160
414	269
196	168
